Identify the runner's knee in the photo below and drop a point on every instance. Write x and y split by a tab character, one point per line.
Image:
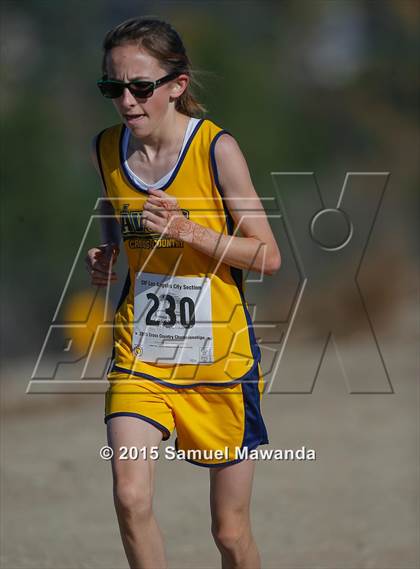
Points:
133	499
232	533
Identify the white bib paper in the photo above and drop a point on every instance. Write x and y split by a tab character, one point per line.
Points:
172	319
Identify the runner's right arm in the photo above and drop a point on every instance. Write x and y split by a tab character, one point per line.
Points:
99	260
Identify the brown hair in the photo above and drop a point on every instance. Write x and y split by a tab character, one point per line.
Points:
163	42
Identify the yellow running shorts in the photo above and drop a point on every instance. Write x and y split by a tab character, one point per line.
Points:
206	418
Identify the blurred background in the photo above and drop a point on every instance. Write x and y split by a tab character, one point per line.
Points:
328	87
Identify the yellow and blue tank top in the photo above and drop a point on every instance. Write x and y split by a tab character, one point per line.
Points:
182	319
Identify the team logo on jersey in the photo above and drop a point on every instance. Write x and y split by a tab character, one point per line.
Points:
138	350
138	237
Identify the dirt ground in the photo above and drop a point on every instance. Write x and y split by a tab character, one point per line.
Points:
355	506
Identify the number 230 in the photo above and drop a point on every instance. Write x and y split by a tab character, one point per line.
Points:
186	311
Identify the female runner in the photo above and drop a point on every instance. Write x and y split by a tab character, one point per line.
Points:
177	189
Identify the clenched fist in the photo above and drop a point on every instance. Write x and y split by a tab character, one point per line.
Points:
99	262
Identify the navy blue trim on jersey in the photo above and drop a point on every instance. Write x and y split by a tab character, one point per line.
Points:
99	159
229	220
248	376
165	431
125	290
235	272
136	186
124	294
256	352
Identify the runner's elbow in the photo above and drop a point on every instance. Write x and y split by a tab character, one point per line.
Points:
272	264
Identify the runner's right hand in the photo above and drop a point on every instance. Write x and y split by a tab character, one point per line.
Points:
99	262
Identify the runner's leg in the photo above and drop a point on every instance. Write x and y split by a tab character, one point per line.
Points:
133	486
230	497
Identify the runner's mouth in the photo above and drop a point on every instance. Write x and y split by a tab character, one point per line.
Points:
134	117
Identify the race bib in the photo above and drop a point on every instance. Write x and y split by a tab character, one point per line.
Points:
172	319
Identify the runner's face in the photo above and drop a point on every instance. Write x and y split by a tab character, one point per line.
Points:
141	115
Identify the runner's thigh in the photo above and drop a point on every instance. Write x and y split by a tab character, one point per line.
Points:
129	432
230	490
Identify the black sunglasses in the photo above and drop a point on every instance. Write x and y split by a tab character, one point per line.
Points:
112	89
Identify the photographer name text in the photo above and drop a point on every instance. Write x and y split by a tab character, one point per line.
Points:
226	453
